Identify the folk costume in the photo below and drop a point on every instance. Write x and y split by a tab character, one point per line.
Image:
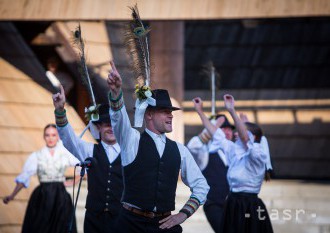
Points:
105	184
151	162
50	205
151	165
244	211
214	167
104	179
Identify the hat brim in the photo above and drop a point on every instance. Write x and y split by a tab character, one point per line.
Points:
227	125
165	107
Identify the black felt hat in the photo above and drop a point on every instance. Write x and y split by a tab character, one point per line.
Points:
162	100
104	115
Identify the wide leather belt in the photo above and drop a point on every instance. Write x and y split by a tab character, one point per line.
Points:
148	214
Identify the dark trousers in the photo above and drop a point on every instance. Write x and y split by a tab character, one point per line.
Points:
214	212
129	222
100	222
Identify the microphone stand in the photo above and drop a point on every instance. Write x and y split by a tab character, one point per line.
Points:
82	173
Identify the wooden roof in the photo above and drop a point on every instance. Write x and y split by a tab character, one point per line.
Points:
159	10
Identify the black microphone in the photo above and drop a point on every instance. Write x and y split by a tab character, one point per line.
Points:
88	163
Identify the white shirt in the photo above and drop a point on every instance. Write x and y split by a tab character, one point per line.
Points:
200	152
246	166
49	168
82	149
128	139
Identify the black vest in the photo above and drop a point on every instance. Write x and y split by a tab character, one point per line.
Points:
105	183
150	180
216	175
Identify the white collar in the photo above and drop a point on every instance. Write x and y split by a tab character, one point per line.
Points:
154	136
115	146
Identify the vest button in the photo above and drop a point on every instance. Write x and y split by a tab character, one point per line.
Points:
108	189
110	166
106	204
109	173
108	196
108	181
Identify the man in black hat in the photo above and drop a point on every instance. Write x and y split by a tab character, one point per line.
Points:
214	167
105	184
151	165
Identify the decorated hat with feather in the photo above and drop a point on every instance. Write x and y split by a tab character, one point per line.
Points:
95	113
210	72
136	41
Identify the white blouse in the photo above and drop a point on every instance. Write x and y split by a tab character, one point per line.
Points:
246	166
49	168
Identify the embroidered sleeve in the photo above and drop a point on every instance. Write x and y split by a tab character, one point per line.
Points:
60	118
118	103
190	207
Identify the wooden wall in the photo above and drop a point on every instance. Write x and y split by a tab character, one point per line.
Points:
160	9
25	108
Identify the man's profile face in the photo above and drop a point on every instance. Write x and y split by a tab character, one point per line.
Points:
162	120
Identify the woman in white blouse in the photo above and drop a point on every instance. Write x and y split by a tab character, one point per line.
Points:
50	205
248	159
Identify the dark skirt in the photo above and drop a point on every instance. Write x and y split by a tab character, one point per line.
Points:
49	210
245	213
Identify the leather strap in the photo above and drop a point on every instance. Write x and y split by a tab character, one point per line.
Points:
148	214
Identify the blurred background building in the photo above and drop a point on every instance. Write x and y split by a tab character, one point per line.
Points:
273	56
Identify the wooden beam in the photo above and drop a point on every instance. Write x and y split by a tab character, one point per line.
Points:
160	9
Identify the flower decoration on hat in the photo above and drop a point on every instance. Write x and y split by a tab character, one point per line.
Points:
142	92
92	113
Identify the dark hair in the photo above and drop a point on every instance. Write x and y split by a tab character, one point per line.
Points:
49	126
255	130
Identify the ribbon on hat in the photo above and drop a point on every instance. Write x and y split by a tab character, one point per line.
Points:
93	129
140	109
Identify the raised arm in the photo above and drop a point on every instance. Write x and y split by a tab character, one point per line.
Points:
240	126
114	82
198	104
127	137
75	145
